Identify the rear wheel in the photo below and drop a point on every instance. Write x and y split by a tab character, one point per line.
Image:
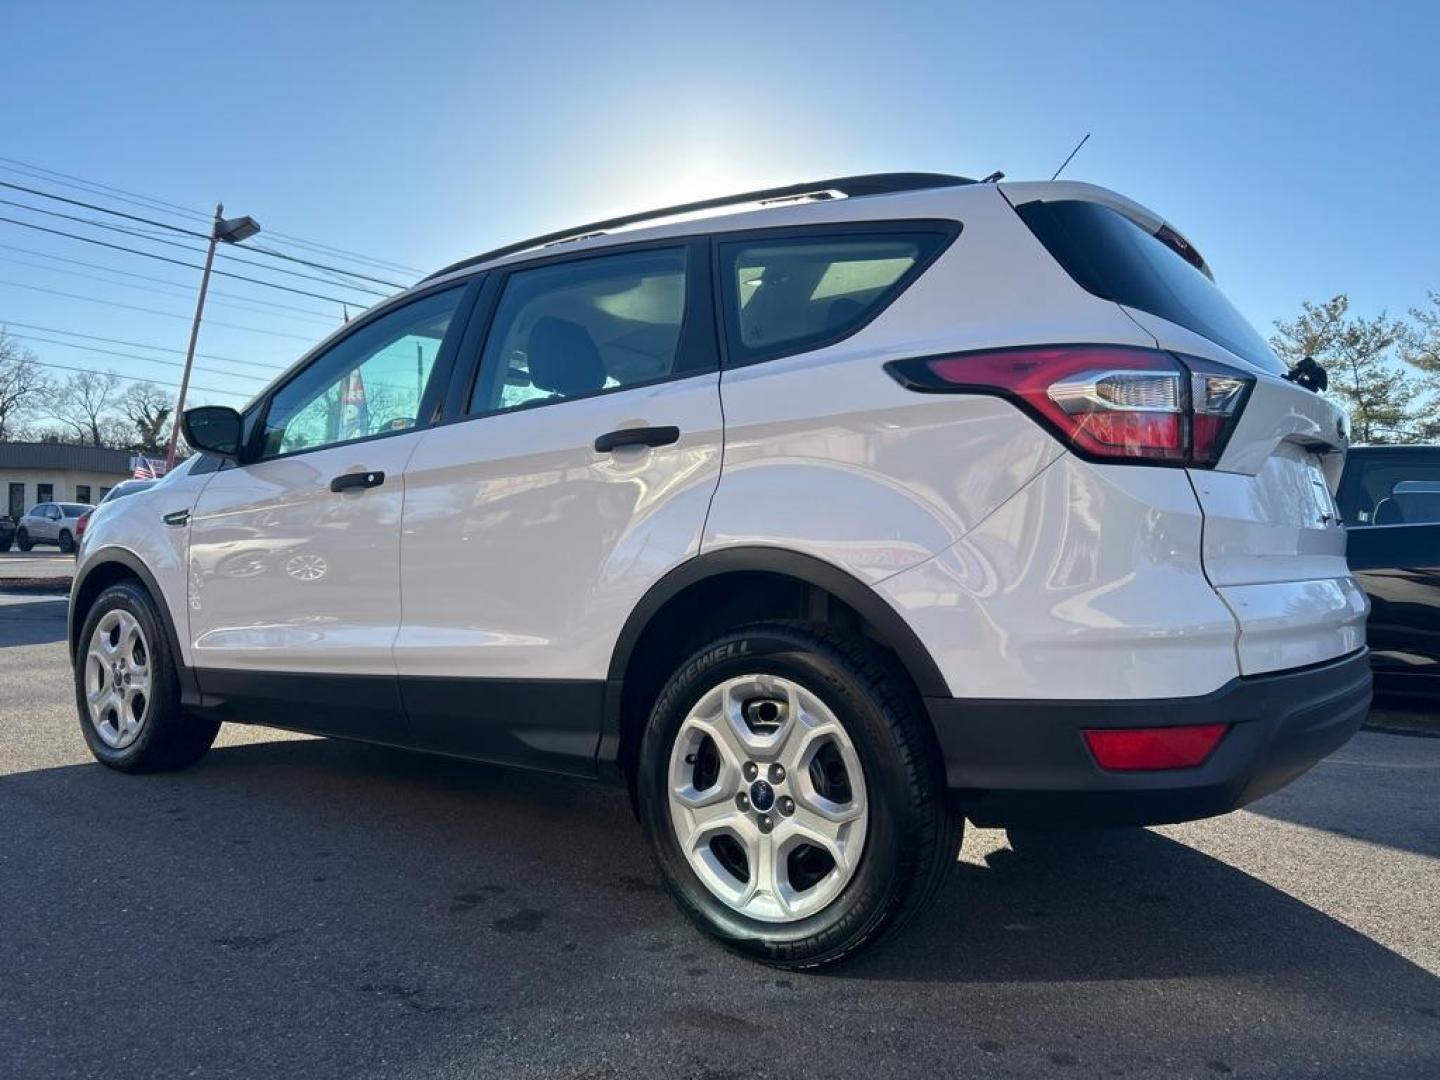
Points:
67	542
23	541
790	794
127	688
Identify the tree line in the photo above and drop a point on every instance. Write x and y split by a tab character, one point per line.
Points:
90	408
1385	369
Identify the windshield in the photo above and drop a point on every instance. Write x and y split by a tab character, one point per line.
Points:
1110	256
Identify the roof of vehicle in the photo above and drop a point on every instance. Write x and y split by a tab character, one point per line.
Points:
849	187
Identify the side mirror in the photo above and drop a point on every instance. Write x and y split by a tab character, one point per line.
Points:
214	429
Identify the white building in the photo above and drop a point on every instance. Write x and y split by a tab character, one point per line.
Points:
33	473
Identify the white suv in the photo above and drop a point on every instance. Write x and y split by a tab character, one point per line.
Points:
823	521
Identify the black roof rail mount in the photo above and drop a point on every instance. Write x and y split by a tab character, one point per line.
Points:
849	186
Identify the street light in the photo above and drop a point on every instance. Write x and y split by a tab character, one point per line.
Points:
231	231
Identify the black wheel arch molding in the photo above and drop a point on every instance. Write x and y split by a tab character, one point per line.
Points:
134	567
891	626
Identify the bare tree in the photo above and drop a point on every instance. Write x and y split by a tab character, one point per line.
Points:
1360	356
149	409
22	385
84	403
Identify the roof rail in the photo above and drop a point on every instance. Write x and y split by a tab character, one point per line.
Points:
849	186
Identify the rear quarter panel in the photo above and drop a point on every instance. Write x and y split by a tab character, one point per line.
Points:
827	455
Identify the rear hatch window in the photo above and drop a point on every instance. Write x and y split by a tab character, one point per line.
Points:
1111	257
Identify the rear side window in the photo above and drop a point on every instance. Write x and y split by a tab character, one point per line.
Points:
583	327
1110	256
797	293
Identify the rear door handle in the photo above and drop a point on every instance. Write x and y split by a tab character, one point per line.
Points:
346	481
636	436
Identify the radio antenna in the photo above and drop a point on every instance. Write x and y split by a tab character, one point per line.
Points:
1081	143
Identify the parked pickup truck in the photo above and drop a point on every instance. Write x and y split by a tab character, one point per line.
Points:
1389	499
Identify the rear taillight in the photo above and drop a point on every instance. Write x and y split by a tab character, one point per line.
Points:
81	524
1109	402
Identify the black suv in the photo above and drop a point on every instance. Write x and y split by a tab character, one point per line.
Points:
1389	499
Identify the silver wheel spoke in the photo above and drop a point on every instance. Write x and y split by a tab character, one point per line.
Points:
830	836
769	882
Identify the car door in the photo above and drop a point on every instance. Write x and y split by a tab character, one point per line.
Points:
294	556
575	470
42	525
1390	502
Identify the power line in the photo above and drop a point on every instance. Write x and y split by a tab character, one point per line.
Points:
192	232
175	262
153	204
147	235
137	344
134	356
157	382
153	311
180	289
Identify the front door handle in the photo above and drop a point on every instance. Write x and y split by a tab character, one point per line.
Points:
346	481
636	436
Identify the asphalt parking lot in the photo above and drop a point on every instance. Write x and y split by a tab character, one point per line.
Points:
300	907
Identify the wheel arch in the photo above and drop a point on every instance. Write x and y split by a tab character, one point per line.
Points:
756	583
106	568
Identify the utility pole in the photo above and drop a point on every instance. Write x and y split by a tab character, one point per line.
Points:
232	232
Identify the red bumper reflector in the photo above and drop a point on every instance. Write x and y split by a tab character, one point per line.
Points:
1131	749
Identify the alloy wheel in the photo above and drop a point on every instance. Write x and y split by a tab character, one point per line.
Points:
117	678
767	798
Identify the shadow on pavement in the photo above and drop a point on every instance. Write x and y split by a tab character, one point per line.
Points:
37	622
307	901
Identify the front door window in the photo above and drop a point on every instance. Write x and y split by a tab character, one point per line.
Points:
371	383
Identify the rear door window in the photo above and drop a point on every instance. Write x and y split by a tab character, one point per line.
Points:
792	294
1110	256
587	326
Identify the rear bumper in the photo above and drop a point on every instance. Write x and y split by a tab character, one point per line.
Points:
1026	763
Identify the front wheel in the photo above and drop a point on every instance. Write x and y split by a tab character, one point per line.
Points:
23	541
790	790
127	688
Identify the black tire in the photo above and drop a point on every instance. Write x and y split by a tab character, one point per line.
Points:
23	541
5	542
170	738
67	542
911	840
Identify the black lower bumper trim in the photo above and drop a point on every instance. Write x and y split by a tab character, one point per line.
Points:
1026	763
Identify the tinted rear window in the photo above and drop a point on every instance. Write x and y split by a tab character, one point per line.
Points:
1110	256
790	294
74	509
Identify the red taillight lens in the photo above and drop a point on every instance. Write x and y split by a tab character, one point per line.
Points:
1134	749
81	524
1110	402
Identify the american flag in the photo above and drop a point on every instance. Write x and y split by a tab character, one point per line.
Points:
146	468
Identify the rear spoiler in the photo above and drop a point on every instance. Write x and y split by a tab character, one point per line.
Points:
1074	191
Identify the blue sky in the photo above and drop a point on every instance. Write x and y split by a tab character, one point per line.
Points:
1297	144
